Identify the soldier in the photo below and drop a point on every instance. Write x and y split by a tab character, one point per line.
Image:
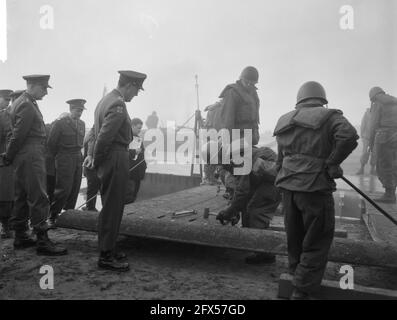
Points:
113	134
26	151
93	182
65	143
241	104
383	138
365	136
312	141
240	110
6	173
256	198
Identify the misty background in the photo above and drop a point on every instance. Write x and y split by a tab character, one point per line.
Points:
290	42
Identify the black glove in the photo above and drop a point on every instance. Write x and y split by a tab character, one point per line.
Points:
228	215
4	161
334	171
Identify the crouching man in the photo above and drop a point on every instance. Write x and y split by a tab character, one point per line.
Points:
255	197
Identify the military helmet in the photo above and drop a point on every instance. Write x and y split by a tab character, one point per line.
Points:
250	74
311	90
374	92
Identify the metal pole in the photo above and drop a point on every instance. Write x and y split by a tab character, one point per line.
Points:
197	93
371	201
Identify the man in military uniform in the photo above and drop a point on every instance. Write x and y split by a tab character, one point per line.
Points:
241	104
240	110
383	138
312	143
26	151
6	173
113	134
65	143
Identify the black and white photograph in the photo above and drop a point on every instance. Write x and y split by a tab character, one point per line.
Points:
198	156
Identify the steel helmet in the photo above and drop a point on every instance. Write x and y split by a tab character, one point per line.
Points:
374	92
311	90
250	74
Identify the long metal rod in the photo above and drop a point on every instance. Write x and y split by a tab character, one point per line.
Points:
370	201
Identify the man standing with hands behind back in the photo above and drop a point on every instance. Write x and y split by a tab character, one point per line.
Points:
109	156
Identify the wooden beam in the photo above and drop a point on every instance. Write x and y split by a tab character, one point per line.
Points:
200	231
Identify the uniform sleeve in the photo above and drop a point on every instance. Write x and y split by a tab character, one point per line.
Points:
242	193
89	142
280	157
111	125
24	118
53	137
345	139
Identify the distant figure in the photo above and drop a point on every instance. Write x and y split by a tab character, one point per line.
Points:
152	121
365	136
383	138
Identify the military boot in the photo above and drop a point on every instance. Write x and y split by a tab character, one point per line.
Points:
108	261
23	240
45	247
388	197
6	232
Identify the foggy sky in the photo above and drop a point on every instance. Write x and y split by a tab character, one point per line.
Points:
290	42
